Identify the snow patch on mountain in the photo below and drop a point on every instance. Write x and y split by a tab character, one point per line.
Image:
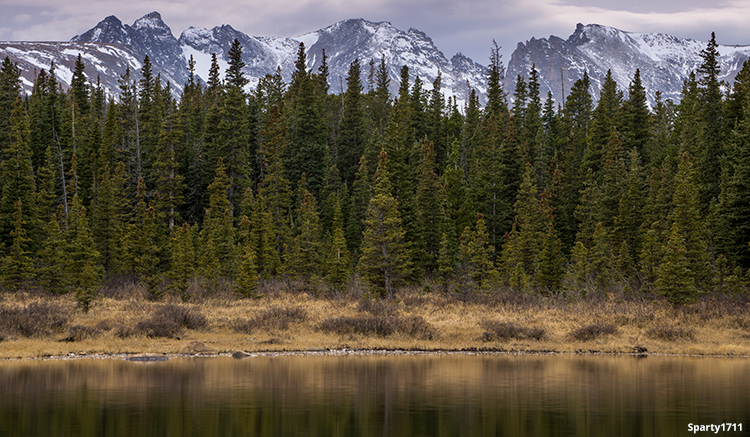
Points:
664	61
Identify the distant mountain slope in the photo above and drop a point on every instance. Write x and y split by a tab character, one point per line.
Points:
111	47
343	42
664	61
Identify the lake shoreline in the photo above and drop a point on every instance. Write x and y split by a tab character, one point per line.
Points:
363	353
38	326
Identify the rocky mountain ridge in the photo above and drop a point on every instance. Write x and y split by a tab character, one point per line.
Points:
111	47
150	35
665	61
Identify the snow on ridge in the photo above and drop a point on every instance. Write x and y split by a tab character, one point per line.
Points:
308	39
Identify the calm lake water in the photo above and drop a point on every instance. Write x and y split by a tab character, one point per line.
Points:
404	395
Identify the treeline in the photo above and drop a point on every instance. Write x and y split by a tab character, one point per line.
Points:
293	181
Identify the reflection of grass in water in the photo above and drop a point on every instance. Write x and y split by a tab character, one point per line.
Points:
290	320
589	395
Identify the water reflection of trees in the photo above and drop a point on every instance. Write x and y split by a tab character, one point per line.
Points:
393	395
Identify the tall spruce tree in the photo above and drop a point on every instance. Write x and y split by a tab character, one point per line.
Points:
385	262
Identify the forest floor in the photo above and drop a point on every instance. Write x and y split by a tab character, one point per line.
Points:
124	321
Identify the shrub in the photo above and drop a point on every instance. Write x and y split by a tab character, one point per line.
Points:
496	330
383	326
670	333
183	316
167	320
36	319
377	307
590	332
155	327
272	318
80	332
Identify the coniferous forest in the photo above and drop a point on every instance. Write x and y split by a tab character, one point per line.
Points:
227	188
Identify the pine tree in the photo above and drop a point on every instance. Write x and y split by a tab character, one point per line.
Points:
10	91
550	271
496	102
108	219
712	127
50	271
183	259
81	269
360	200
143	242
686	218
275	187
475	255
351	142
248	278
523	244
675	280
735	209
306	128
17	177
337	261
263	239
307	248
636	116
16	267
219	233
429	211
386	259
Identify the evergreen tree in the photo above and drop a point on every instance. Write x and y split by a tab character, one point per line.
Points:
337	261
248	278
306	128
275	187
386	260
16	268
686	219
183	259
10	90
352	135
523	244
360	200
675	280
475	255
307	248
636	116
429	211
712	127
219	233
17	178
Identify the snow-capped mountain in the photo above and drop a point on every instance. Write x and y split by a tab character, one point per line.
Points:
148	35
665	61
111	46
343	42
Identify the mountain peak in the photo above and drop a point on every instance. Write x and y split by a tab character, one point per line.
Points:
152	19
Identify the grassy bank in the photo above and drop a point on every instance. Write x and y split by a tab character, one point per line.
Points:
36	324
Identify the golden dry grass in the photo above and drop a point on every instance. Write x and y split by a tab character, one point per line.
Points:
114	324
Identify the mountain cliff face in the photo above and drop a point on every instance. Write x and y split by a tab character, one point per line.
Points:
665	61
111	47
343	42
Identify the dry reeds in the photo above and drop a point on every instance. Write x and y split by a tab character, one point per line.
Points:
125	320
496	330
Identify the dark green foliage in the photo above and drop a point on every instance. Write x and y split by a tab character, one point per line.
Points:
229	190
386	259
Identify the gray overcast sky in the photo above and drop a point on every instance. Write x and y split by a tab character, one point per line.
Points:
468	26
